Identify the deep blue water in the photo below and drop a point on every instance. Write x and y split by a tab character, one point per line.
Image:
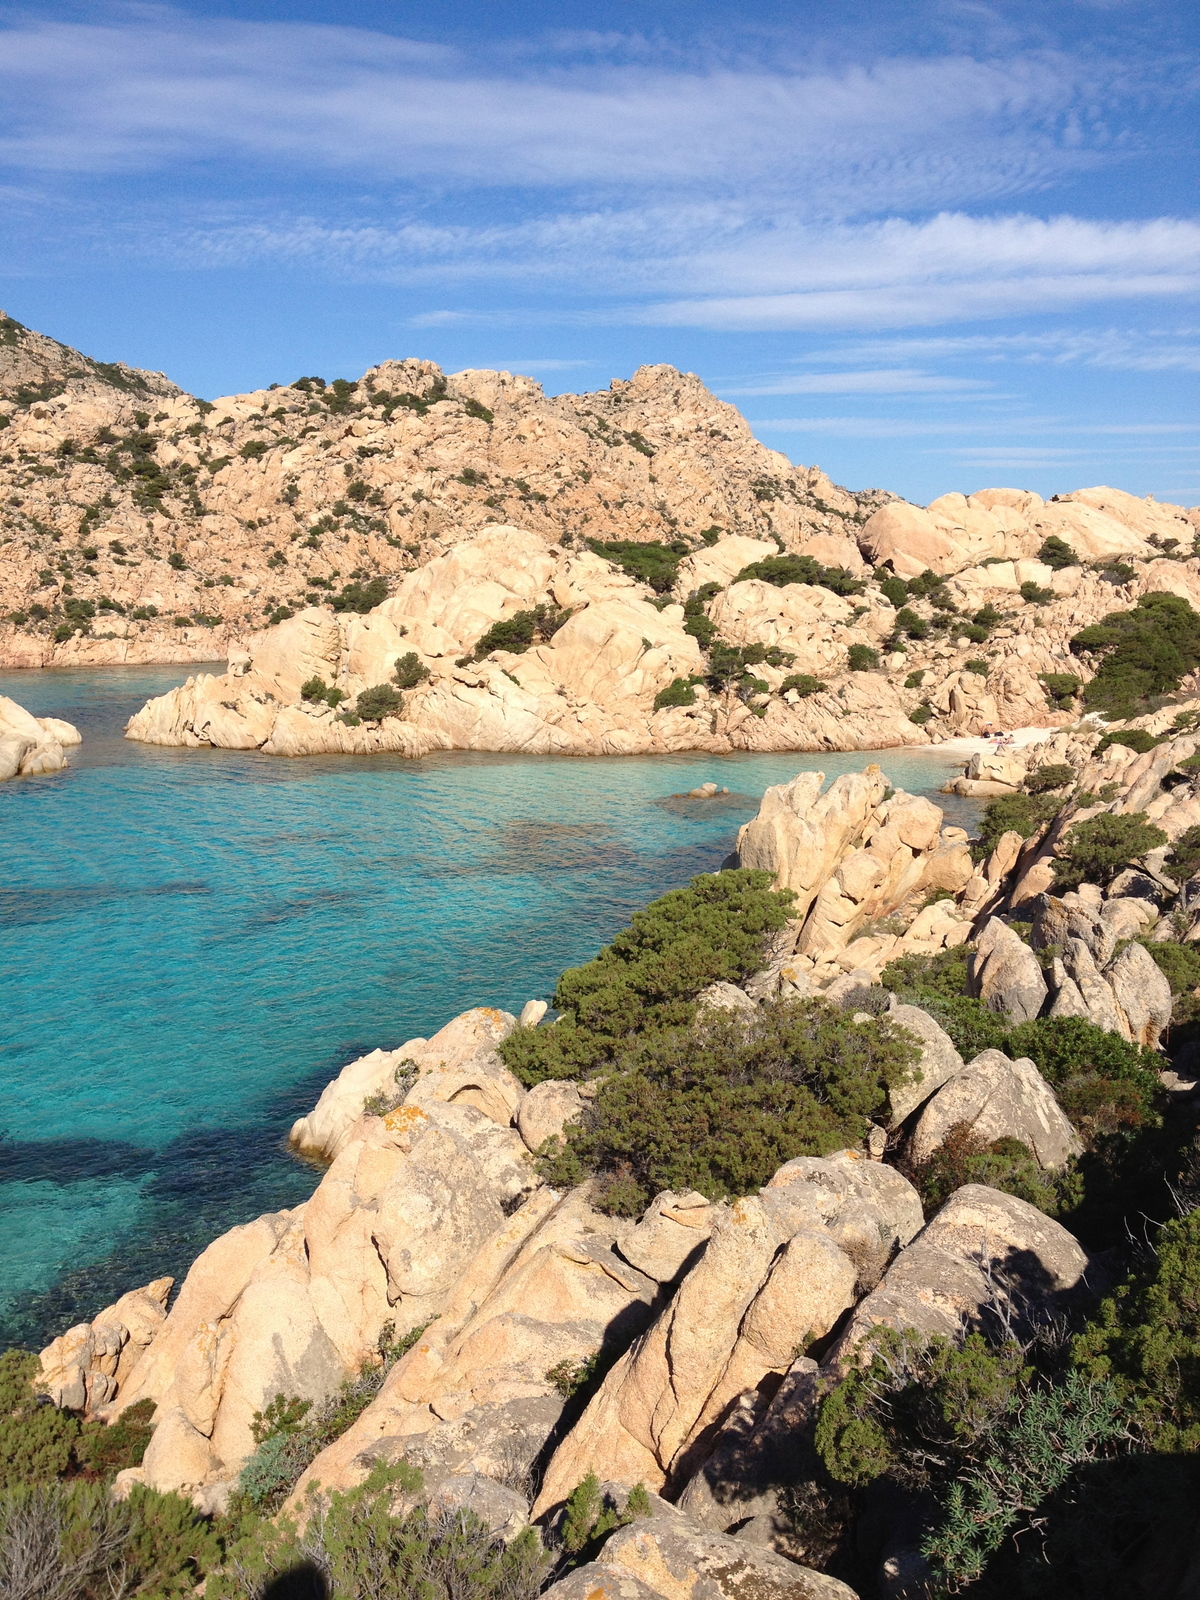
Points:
193	942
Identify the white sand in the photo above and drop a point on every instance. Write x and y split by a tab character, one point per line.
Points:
968	746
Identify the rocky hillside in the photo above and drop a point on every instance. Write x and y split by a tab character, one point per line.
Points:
141	524
783	1270
505	643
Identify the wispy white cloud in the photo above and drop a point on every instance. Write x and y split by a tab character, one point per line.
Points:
156	88
888	380
1120	349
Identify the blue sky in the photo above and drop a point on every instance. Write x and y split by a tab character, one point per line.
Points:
928	246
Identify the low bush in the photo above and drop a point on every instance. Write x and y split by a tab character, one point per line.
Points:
803	683
1145	1339
73	1541
915	679
679	692
1095	850
1015	813
589	1517
354	1546
291	1433
1179	963
861	658
1132	738
1034	595
359	596
963	1157
1183	861
921	715
1056	553
978	667
410	670
910	623
719	1106
37	1442
648	978
1144	653
1046	778
650	562
378	702
782	570
518	633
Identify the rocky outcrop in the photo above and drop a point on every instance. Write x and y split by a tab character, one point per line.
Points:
458	1066
779	1267
85	1366
986	1260
997	1098
1006	974
853	855
29	745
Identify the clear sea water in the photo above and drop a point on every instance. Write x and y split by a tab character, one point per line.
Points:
193	942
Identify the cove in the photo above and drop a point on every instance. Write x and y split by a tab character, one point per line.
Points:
194	942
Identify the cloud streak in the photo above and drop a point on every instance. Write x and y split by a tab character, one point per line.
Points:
160	89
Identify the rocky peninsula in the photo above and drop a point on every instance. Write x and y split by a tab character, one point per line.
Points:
29	745
565	1318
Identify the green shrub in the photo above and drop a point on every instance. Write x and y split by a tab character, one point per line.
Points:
104	1449
1015	813
517	633
782	570
803	683
314	689
1061	688
679	692
1145	1339
720	1106
410	670
987	618
1183	861
378	702
910	623
175	559
648	978
254	449
364	1550
359	596
915	679
1132	738
1056	553
569	1377
979	668
1105	1084
895	590
861	658
1144	652
36	1441
1056	775
1034	595
921	715
651	562
1096	850
291	1433
1179	963
589	1517
476	408
73	1541
963	1157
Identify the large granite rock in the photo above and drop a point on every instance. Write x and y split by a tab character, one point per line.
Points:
679	1561
999	1098
939	1061
986	1260
778	1271
1006	974
458	1065
29	745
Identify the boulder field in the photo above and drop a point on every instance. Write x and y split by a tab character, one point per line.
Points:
717	1323
29	745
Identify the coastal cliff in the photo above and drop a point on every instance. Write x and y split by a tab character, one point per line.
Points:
538	1263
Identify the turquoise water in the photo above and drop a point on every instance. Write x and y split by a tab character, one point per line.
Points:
193	942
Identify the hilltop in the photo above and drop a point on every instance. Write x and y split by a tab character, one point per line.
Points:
184	523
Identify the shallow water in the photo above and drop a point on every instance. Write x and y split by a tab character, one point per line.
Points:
193	942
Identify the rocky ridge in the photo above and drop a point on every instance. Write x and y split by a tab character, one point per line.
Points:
205	518
431	1222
